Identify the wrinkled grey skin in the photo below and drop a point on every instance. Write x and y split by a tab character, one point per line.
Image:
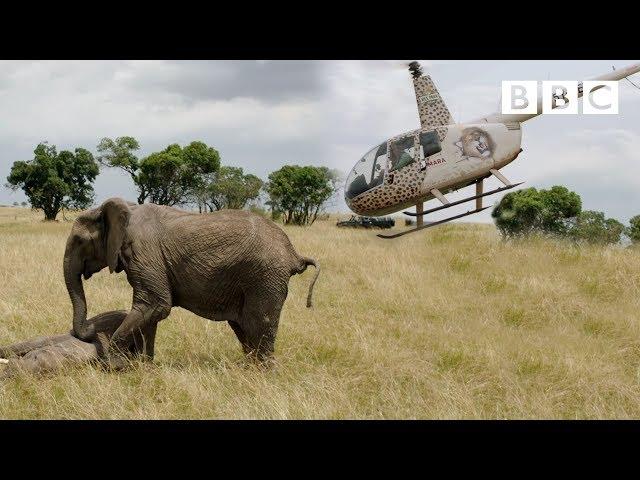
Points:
229	265
49	354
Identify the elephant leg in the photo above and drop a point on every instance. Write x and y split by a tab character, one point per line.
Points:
144	341
150	340
259	323
261	337
138	318
237	329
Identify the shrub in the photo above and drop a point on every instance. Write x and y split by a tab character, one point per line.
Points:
537	211
593	227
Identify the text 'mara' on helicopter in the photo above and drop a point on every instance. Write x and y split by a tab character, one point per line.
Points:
439	157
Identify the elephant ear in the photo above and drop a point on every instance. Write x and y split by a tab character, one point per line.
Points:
115	217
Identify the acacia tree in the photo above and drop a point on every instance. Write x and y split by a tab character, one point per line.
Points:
118	153
168	177
298	193
52	180
537	211
230	187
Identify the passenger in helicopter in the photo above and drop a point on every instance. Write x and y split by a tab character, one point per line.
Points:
402	152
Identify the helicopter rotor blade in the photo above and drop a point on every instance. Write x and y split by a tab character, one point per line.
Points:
627	79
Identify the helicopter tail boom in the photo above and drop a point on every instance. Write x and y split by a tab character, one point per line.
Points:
432	109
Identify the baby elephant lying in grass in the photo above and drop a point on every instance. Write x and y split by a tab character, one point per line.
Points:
49	354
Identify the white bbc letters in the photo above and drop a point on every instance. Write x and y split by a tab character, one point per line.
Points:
519	97
600	98
560	97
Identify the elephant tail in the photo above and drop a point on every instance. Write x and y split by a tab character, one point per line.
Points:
306	262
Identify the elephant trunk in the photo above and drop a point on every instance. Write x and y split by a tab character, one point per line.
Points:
72	277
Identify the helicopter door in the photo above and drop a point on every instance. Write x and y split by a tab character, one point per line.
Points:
402	152
429	145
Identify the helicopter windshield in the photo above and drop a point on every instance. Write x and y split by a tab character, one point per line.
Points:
368	172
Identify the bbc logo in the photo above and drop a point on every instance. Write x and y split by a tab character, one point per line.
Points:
560	97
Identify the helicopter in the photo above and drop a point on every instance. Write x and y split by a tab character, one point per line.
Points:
440	157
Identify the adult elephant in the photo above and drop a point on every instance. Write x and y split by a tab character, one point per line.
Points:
229	265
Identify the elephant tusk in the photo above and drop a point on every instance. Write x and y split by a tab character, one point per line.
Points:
3	361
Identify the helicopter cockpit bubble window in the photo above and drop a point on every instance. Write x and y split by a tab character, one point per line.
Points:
368	172
429	144
402	152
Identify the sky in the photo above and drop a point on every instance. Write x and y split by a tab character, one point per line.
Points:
261	115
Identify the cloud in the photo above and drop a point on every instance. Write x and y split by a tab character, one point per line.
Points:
193	81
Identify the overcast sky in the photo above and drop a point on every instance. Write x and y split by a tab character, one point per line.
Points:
261	115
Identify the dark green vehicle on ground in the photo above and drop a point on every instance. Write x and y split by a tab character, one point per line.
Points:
357	221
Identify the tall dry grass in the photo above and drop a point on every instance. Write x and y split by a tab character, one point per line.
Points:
448	323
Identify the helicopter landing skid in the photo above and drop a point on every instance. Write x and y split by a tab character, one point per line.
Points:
432	224
468	199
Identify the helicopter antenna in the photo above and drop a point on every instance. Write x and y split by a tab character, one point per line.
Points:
415	69
627	79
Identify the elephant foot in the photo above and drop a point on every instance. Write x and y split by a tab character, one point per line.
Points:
260	360
117	362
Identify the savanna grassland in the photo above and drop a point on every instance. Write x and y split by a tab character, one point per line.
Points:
448	323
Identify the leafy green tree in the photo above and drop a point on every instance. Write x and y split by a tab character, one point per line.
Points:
537	211
633	230
593	227
298	193
52	180
230	187
168	177
118	153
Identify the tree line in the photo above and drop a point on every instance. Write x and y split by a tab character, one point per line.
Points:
186	176
194	176
557	212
